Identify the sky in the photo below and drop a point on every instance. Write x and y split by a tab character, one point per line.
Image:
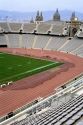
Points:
42	5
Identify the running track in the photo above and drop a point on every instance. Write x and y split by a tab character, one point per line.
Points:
39	85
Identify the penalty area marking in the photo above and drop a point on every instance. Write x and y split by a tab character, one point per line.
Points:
30	71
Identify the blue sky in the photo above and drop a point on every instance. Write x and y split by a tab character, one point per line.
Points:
42	5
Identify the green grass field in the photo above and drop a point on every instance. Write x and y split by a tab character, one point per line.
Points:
13	67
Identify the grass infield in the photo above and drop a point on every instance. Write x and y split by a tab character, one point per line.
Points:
14	67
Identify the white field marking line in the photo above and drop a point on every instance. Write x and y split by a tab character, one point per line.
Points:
2	57
9	67
31	70
19	65
1	53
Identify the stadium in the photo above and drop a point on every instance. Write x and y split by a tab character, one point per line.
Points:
41	72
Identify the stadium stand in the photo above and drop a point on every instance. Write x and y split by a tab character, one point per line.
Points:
2	39
13	40
80	34
78	51
56	43
4	26
58	29
29	27
43	28
41	41
67	114
15	27
27	40
63	107
72	45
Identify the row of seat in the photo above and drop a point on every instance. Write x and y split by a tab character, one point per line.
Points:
66	114
54	101
74	46
42	28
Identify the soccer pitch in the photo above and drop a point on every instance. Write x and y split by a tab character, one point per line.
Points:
14	67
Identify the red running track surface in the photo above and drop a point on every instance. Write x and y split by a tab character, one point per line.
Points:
39	85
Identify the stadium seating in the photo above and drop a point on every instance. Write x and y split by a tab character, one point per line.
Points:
64	106
59	108
27	40
2	40
15	27
79	51
56	43
72	45
29	27
41	41
43	28
58	29
4	26
66	114
80	34
13	40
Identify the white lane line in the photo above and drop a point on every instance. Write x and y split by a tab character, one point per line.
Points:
30	70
